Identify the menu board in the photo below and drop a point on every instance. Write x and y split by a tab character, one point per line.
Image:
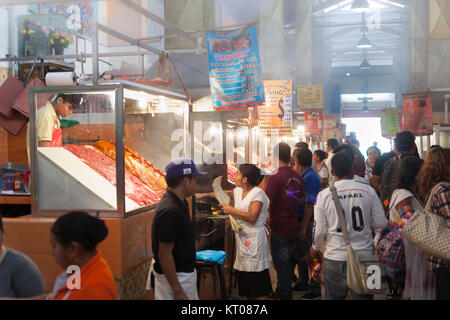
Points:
235	69
417	115
276	115
309	96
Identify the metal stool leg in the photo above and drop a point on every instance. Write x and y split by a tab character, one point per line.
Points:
199	277
223	289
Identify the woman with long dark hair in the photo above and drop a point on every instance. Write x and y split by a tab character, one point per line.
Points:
419	282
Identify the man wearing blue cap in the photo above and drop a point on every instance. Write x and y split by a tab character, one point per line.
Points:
173	241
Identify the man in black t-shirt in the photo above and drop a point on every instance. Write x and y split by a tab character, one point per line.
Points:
173	241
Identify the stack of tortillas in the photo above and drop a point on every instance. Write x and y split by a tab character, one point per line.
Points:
222	197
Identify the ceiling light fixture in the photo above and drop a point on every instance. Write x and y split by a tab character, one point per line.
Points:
364	43
365	65
365	109
361	6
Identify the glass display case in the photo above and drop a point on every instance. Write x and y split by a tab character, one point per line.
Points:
112	151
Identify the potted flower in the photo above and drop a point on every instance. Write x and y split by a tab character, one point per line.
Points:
60	41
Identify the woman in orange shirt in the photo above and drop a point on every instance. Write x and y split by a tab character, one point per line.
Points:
74	238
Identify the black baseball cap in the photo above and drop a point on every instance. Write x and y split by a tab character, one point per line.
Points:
76	100
182	168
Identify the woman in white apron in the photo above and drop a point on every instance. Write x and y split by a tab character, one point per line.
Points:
250	209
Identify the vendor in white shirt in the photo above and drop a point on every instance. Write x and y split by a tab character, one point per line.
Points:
363	211
250	208
48	132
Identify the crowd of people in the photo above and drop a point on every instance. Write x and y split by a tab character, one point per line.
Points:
302	230
287	220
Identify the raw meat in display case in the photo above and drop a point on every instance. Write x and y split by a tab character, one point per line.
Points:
106	167
141	168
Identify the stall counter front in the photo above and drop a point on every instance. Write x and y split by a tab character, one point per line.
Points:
127	249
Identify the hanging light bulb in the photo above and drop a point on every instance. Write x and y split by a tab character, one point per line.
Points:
361	6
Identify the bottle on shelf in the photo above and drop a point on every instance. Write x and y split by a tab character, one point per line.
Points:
17	183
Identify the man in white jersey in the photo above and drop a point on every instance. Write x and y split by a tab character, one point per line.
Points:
363	211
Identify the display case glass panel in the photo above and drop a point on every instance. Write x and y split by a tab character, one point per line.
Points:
155	134
111	150
71	173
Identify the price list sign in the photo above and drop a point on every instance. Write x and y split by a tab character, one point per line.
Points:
277	113
417	115
235	69
390	122
309	96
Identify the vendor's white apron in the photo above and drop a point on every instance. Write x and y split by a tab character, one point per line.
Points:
252	249
163	290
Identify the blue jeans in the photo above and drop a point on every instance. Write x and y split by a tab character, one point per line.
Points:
335	281
281	255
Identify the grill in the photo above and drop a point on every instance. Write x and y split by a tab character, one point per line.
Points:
209	230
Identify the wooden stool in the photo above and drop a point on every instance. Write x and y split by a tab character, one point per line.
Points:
218	278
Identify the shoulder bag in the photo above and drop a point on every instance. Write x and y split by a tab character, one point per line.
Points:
365	273
428	231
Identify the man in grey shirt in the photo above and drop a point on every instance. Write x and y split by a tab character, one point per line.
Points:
19	275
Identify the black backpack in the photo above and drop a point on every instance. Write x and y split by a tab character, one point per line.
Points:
390	179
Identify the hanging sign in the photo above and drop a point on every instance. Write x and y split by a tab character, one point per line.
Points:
417	115
235	69
330	127
314	123
390	122
276	115
309	96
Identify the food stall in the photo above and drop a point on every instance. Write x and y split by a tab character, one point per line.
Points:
114	150
226	140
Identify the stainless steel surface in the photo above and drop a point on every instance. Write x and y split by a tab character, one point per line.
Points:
95	69
59	188
120	150
14	167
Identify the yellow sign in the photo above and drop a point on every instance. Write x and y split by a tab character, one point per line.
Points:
308	96
276	115
3	75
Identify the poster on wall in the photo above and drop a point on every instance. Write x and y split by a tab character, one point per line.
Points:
390	122
309	96
417	115
313	123
330	127
277	113
235	69
80	15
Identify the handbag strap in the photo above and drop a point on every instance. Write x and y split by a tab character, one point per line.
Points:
340	212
